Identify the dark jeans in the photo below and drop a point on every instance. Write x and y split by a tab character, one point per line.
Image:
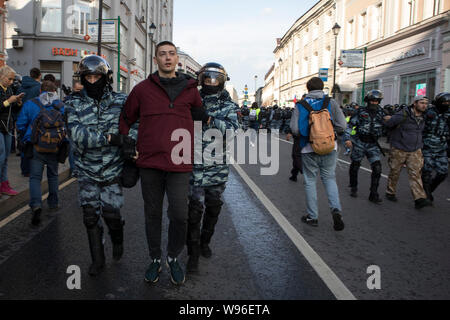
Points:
37	167
155	184
24	164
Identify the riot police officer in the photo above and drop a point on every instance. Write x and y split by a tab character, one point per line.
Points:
276	118
245	117
263	118
435	136
99	151
368	123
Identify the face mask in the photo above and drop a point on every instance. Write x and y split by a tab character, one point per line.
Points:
47	98
95	90
210	89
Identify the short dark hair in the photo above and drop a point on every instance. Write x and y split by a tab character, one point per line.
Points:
164	43
35	73
49	86
49	77
314	83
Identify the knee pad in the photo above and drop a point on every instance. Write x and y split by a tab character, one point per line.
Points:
90	216
376	168
113	219
195	211
213	202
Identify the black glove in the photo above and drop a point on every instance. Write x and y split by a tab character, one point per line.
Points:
128	148
199	114
116	140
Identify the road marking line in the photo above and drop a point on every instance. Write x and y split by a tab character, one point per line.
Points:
330	279
19	212
343	161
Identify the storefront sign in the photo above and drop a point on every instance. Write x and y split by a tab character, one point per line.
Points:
323	74
421	89
65	52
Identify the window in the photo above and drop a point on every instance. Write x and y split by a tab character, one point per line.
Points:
139	54
407	13
328	22
350	34
81	16
305	67
123	40
376	23
431	8
362	30
326	58
306	37
315	31
315	62
371	85
410	84
51	16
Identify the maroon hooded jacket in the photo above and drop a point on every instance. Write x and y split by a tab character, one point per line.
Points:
158	118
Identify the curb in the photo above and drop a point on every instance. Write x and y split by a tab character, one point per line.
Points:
15	202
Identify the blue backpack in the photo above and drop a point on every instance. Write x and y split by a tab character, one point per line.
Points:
48	129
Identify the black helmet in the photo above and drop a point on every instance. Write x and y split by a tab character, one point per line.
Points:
442	99
93	64
353	104
373	95
213	71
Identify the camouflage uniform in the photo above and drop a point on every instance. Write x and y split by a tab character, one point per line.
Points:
208	181
435	135
98	163
245	119
263	118
369	127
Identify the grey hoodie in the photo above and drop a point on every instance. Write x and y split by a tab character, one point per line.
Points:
337	115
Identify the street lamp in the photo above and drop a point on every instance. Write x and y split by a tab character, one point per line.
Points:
336	28
256	77
151	31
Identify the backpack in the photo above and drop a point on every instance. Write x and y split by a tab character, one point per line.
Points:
252	116
321	131
48	129
277	114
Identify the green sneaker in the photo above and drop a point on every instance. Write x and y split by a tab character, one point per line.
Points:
152	273
176	273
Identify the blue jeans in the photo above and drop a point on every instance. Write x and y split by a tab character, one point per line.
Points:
24	164
326	166
5	150
37	167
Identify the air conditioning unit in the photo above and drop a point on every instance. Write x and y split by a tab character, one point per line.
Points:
17	43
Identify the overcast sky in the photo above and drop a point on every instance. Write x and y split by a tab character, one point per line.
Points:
239	34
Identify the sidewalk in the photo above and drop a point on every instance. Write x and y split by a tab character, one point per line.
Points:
21	185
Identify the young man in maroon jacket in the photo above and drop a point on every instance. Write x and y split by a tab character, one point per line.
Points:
163	103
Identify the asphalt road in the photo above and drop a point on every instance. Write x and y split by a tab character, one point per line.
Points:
254	258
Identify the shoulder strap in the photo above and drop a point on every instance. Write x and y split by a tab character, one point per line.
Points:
38	102
59	105
326	101
306	105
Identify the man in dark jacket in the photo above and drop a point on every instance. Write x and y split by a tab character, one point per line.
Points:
31	85
406	144
165	104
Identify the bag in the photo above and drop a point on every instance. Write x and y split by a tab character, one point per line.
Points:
252	116
48	129
321	131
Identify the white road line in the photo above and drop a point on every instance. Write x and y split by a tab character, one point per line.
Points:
340	160
19	212
330	279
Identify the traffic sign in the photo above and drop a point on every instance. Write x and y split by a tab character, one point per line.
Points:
323	74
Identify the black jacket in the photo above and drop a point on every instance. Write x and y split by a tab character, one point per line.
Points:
407	130
6	121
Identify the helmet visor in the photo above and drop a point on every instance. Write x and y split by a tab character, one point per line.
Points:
211	78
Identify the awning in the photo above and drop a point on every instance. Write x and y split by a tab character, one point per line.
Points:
345	87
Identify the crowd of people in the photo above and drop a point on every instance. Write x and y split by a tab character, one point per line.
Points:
113	139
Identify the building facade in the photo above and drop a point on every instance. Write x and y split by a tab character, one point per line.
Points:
187	64
54	38
407	42
3	13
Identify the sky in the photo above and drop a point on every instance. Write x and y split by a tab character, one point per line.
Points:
238	34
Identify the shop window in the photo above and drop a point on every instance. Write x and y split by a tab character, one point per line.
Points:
417	84
51	16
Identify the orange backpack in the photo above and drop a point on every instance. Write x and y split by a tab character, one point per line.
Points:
321	131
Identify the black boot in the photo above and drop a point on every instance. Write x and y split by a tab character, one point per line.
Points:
426	181
115	225
353	172
212	212
195	214
438	179
375	181
95	237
